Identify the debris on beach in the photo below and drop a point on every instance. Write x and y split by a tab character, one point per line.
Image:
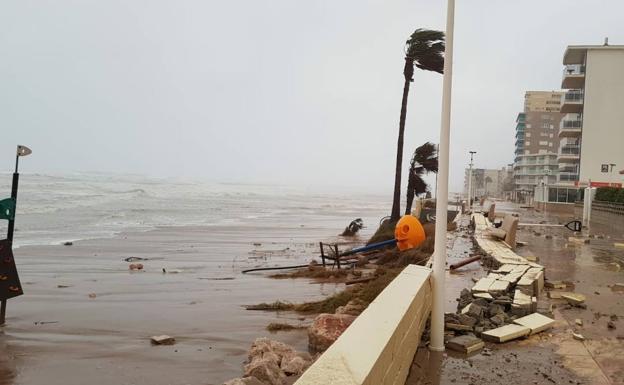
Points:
162	340
135	266
272	362
135	259
466	344
326	329
68	243
277	326
353	228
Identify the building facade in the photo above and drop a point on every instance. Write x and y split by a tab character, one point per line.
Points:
592	131
486	182
537	142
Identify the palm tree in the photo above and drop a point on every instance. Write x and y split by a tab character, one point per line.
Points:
424	49
424	160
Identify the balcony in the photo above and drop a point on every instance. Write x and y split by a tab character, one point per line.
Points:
572	102
521	117
573	76
571	126
568	177
569	152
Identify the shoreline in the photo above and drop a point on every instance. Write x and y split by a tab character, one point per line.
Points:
107	337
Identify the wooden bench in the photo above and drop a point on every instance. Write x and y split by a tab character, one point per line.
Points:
507	231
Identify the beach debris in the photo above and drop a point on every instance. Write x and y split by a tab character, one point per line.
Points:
464	262
353	307
135	266
611	325
618	245
68	243
536	322
353	228
257	244
554	285
578	322
171	271
272	363
276	326
326	329
92	295
578	241
506	333
578	336
45	322
465	344
244	381
162	340
63	286
217	278
135	259
617	287
574	299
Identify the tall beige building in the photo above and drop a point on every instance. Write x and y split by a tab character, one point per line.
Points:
537	142
591	133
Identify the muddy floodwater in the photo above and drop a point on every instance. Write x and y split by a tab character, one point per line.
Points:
85	318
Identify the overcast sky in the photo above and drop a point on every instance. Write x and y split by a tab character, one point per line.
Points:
290	92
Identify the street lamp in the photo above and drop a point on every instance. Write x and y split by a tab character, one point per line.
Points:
439	254
470	181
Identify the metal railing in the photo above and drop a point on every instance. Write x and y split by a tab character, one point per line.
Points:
574	69
611	207
567	124
570	150
574	96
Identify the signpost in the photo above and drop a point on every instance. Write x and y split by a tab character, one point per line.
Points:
10	286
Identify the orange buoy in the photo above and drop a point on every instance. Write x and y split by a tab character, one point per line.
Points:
409	233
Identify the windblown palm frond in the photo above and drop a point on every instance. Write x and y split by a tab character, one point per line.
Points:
424	160
425	48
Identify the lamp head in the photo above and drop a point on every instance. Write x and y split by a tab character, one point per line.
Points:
23	150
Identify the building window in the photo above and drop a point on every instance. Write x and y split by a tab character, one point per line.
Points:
545	125
543	143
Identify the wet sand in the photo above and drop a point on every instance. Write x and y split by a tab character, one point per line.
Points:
57	334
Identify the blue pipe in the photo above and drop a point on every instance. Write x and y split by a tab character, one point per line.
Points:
373	246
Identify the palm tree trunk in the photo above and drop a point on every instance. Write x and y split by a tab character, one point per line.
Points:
408	71
409	196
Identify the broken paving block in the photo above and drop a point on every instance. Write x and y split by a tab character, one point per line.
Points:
578	321
522	304
619	245
578	241
531	258
483	285
536	322
574	299
532	282
473	310
555	285
506	333
483	295
505	269
498	287
495	275
465	344
578	336
521	268
512	277
457	327
163	340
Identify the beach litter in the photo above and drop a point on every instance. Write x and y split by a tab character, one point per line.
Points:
68	243
135	266
92	295
162	340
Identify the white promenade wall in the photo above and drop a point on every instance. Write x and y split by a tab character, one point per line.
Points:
379	346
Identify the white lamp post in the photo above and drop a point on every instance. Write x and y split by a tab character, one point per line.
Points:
439	255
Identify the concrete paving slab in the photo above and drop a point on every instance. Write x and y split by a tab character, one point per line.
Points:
465	344
483	285
506	333
574	298
536	322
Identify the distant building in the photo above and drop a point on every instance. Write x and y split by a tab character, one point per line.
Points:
591	132
537	142
486	182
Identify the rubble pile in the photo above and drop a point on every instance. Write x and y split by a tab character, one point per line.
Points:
504	304
272	363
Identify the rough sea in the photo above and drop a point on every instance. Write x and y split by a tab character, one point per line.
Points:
52	209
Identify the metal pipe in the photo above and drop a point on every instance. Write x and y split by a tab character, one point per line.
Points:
439	254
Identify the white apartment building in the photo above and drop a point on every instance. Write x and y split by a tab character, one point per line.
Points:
591	132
